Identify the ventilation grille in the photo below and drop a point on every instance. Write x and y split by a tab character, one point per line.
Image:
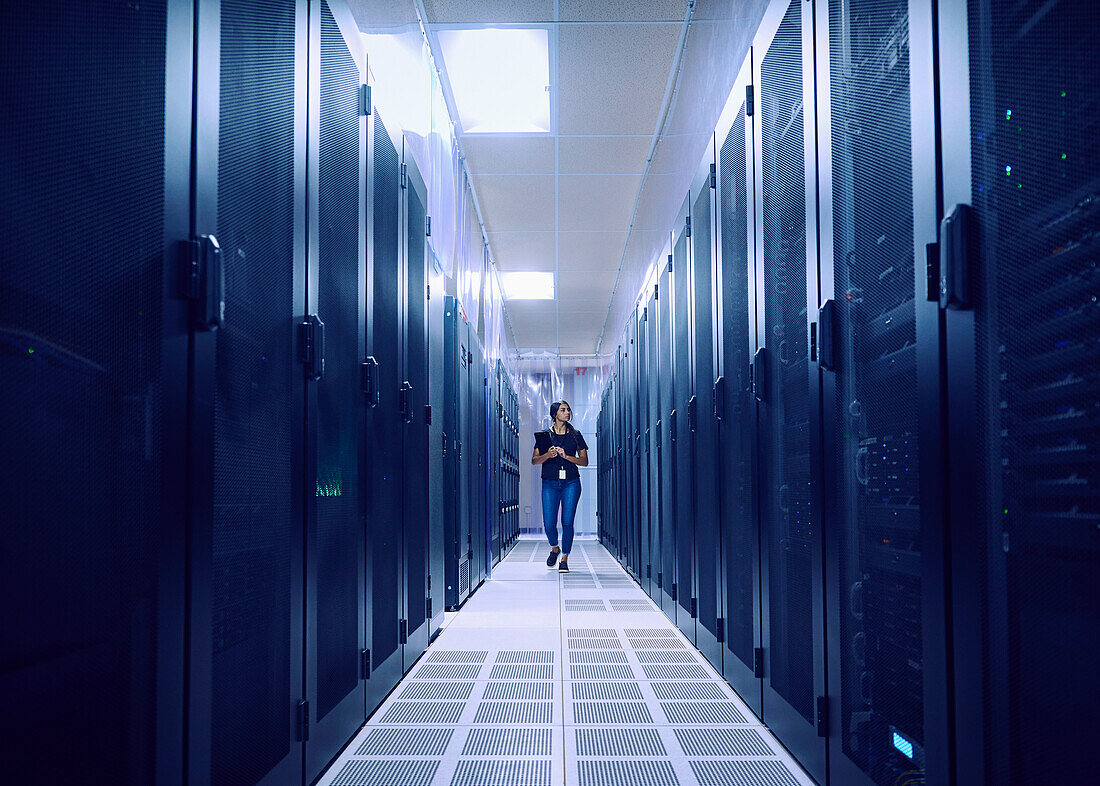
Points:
702	712
592	633
502	773
631	605
657	644
514	712
597	656
601	673
648	633
602	691
405	742
521	672
436	671
664	656
675	671
525	656
687	691
463	577
424	712
584	605
723	742
615	712
635	773
457	656
397	772
595	644
440	691
619	742
509	742
737	773
529	691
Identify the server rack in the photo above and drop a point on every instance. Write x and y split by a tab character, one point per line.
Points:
438	541
412	403
653	443
335	629
684	581
1017	288
92	401
641	440
479	523
456	517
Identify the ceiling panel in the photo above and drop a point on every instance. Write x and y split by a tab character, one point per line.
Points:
513	202
622	10
587	286
380	15
467	11
490	155
590	250
626	96
522	250
611	154
596	201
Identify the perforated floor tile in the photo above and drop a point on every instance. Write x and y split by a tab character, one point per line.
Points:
386	772
743	773
626	773
502	772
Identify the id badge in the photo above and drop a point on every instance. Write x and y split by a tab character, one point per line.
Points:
561	473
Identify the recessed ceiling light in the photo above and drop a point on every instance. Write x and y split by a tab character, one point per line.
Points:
528	286
500	78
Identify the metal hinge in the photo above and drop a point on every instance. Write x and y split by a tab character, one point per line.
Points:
713	176
364	664
822	716
670	263
428	289
303	721
648	571
428	610
404	175
758	662
403	631
720	630
428	414
428	226
749	102
687	225
694	607
311	347
660	580
364	100
673	590
655	292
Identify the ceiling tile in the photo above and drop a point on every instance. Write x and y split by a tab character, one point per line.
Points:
626	97
382	15
523	250
491	155
596	201
467	11
513	202
588	286
590	250
611	154
622	10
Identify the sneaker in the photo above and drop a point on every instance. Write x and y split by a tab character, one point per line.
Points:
563	566
552	558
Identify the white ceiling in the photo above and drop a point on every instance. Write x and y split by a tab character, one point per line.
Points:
575	202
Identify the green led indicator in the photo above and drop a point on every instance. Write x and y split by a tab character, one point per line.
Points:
1006	511
1063	156
1063	94
30	350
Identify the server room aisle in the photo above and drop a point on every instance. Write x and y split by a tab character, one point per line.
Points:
544	679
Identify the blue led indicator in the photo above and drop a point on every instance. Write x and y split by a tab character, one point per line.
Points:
903	745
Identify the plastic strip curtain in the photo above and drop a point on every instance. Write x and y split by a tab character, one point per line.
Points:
546	378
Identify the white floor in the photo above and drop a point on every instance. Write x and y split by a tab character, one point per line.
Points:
544	679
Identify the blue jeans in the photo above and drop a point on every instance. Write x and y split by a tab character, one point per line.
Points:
566	493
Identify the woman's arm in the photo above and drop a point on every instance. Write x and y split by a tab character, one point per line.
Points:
542	458
581	459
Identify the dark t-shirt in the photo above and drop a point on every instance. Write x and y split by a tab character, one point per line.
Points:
571	442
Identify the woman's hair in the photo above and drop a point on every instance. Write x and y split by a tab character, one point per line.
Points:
554	414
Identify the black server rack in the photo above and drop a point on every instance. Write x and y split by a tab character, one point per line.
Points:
736	341
1018	288
493	467
666	459
94	370
248	415
653	443
412	403
335	537
645	517
683	581
384	438
438	543
705	600
793	619
479	566
456	520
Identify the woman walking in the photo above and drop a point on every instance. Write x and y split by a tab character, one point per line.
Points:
560	450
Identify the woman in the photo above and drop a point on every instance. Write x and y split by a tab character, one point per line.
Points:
560	450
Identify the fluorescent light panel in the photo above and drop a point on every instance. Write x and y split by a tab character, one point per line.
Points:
528	286
499	78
